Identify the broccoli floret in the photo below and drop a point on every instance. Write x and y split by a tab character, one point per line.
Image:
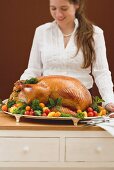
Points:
80	115
10	103
37	112
35	105
20	110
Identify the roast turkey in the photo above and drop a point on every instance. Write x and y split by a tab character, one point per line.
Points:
73	93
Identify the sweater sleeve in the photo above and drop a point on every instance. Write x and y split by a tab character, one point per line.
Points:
34	65
100	69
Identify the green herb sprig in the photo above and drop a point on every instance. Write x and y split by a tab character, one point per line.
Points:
54	103
95	102
31	81
35	105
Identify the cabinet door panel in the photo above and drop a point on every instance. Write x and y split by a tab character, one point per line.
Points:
29	149
90	149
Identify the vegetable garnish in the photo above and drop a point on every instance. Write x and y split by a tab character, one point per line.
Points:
31	81
96	101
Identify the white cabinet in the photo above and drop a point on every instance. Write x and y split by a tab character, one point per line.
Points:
56	149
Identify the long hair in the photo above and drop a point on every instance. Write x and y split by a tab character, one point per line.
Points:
84	35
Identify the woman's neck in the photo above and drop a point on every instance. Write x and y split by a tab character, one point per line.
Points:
67	29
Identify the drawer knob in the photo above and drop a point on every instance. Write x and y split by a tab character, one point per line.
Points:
99	149
26	149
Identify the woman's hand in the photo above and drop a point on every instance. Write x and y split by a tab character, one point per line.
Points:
110	108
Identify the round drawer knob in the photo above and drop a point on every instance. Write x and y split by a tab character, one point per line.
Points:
26	149
99	149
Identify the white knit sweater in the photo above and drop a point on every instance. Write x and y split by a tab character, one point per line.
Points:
49	57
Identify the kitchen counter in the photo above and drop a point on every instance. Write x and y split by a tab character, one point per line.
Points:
8	122
53	145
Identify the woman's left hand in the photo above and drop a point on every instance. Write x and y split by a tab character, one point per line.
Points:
110	108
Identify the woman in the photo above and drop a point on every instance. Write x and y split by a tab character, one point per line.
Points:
71	46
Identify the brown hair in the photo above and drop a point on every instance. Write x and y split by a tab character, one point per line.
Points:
84	35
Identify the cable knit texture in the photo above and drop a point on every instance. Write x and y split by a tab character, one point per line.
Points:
49	57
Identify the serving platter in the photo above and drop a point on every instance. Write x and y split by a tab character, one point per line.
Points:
18	118
94	117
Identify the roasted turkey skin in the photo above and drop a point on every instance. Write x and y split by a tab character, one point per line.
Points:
73	93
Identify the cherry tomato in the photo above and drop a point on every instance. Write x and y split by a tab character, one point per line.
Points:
42	105
32	113
90	114
44	114
27	113
4	108
28	108
47	111
104	112
89	109
95	113
79	111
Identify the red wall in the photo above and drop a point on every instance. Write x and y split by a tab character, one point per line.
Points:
18	20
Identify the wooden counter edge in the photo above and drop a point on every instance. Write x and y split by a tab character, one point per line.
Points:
8	123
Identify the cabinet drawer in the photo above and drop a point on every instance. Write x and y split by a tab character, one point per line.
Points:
90	149
29	149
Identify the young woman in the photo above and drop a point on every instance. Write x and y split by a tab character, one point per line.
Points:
72	46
